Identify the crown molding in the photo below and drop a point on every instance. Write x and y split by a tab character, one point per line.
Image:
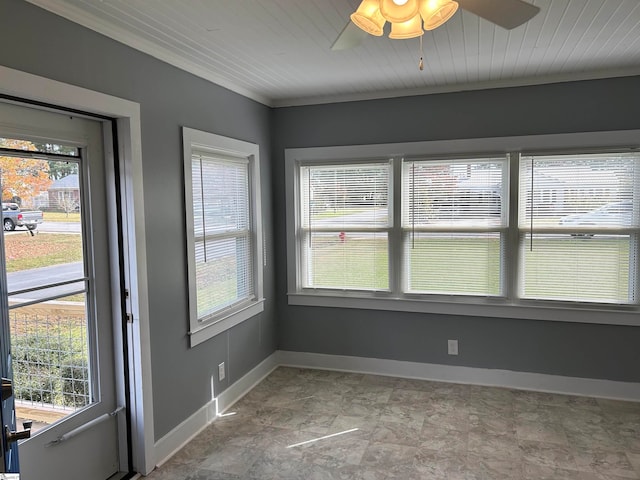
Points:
81	17
461	87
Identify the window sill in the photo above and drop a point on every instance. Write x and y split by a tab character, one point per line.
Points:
206	331
478	307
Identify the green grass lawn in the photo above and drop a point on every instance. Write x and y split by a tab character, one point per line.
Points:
588	269
61	217
465	265
340	212
357	264
217	284
24	252
598	269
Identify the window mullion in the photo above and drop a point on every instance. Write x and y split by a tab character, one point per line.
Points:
634	243
302	233
634	267
511	253
397	267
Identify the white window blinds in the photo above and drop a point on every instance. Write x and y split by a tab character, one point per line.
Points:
579	226
345	215
453	218
222	233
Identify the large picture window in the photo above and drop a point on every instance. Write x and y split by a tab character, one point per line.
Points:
223	231
519	234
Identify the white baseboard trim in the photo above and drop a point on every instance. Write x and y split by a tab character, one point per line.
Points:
177	438
173	441
240	388
469	375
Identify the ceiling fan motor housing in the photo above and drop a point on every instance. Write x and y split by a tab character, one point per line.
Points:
396	13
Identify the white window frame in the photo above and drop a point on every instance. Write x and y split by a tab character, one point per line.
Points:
524	229
407	230
306	231
507	306
195	141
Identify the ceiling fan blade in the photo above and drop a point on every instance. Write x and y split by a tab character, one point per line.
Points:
508	14
350	37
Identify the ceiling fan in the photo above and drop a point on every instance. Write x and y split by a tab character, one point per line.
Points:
408	17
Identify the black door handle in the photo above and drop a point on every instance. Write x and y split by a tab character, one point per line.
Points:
11	436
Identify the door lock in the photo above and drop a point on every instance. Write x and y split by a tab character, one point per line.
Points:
11	436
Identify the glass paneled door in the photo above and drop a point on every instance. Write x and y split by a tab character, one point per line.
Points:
57	304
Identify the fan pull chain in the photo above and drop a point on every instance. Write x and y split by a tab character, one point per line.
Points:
421	62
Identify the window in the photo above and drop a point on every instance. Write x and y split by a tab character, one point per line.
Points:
345	226
577	227
435	229
222	198
453	222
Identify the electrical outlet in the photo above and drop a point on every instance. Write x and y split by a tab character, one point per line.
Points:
453	347
221	374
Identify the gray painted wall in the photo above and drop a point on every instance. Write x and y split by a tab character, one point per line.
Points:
580	350
39	42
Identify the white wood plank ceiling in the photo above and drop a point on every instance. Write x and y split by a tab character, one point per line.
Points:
278	51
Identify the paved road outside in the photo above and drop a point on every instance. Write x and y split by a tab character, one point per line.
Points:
49	227
43	276
59	227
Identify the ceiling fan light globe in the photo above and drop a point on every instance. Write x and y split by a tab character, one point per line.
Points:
437	12
368	17
400	2
395	13
409	29
371	25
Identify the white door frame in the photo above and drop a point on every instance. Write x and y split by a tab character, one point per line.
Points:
127	114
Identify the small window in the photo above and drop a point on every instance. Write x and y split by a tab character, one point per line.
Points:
222	198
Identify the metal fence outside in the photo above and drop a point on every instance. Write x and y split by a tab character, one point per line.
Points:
50	356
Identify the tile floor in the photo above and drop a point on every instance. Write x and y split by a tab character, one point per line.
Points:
317	425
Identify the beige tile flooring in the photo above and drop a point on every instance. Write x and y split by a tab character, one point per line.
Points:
317	425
